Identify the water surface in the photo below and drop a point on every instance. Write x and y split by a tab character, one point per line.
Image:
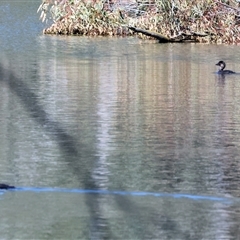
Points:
115	114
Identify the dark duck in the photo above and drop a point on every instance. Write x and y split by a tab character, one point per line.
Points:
5	186
221	70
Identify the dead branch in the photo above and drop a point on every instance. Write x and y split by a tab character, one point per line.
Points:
158	36
182	37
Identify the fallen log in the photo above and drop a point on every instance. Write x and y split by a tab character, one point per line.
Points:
158	36
182	37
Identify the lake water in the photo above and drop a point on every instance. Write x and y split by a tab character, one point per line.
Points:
115	138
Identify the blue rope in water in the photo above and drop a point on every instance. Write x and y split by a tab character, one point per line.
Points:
123	193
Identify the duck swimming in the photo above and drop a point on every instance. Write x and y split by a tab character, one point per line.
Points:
221	70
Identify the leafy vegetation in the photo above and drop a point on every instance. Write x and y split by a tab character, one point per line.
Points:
218	20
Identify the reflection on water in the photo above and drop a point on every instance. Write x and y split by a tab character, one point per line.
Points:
117	114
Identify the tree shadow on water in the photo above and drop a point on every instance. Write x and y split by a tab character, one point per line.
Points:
73	149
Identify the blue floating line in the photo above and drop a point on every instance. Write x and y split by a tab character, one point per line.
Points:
124	193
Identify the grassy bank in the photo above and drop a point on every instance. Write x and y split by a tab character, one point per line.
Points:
218	19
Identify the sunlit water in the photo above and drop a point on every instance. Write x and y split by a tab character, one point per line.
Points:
110	138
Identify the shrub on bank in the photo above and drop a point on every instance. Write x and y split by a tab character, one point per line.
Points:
218	19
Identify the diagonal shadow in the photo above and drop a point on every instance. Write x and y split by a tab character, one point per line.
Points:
52	128
75	151
99	226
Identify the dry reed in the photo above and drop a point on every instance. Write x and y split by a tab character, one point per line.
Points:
219	19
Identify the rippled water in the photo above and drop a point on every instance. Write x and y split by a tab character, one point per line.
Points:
115	138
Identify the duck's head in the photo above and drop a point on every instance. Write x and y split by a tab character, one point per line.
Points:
221	65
